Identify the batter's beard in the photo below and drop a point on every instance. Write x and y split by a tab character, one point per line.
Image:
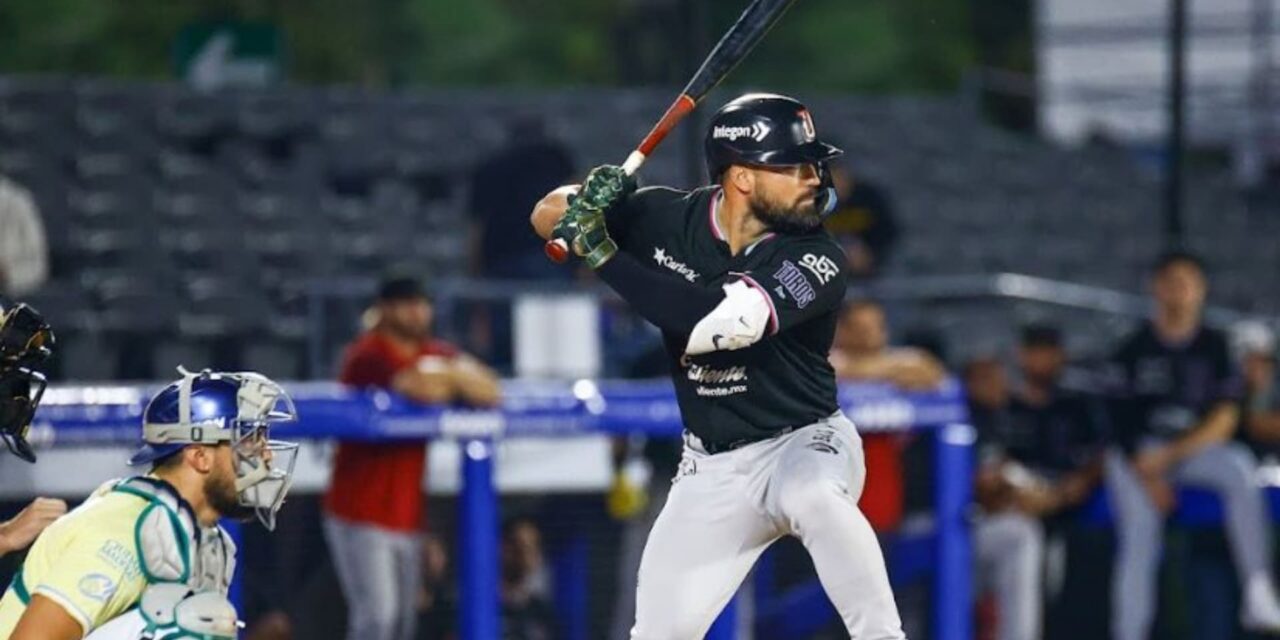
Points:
220	491
799	219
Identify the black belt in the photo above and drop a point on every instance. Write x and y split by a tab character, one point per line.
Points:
713	448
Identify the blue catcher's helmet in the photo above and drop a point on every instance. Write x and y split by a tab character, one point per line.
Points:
234	408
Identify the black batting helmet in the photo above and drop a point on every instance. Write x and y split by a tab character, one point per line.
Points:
764	129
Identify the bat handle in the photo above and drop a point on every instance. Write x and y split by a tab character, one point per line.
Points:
632	165
557	250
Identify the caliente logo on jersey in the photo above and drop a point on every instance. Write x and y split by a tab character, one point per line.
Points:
708	375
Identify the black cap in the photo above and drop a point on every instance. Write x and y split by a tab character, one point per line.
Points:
1041	335
400	287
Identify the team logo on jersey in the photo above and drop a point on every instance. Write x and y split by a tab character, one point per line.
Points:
758	131
823	268
823	441
806	122
687	467
96	586
120	557
793	280
660	256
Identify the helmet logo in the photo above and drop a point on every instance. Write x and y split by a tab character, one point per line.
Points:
758	131
806	121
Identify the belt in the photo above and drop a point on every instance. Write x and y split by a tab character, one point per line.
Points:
713	448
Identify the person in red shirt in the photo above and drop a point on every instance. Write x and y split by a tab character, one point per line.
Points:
374	505
862	353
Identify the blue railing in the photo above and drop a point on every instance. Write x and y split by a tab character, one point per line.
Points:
102	415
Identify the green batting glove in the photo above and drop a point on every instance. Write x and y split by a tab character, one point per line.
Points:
583	225
592	241
584	230
606	186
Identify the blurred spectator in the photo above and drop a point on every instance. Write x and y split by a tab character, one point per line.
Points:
861	352
863	222
24	252
1254	345
504	188
526	611
437	599
987	393
1042	456
373	508
1176	410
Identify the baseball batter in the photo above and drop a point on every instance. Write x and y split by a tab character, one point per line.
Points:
745	285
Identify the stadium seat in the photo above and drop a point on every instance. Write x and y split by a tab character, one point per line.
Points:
270	188
169	354
217	307
279	360
86	357
136	306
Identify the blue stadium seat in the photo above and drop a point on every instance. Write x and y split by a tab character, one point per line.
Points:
277	360
135	308
87	357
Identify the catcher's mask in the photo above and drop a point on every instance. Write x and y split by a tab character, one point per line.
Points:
25	343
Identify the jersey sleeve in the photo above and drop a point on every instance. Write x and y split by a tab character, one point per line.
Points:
129	626
801	281
624	217
94	580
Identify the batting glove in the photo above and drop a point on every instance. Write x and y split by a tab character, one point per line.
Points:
583	225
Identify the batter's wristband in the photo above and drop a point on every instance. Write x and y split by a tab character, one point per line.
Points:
601	253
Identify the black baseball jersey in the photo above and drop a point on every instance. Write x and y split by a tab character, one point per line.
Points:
782	381
1052	439
1162	390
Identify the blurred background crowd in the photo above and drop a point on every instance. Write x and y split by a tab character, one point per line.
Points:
1072	207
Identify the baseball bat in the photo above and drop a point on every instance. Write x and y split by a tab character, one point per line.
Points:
737	42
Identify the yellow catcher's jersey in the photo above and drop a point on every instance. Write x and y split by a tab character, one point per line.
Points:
86	561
